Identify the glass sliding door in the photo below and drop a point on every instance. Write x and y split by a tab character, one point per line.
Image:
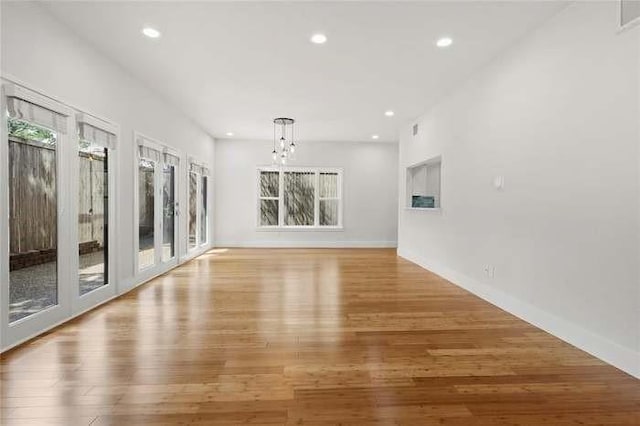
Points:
193	210
146	213
93	217
33	218
168	213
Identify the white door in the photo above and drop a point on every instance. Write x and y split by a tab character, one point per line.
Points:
95	212
35	154
156	207
170	211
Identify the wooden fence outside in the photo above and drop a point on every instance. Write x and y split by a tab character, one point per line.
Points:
91	201
33	197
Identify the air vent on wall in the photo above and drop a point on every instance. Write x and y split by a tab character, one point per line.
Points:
415	129
629	13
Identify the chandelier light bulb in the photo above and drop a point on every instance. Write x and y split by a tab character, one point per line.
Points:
283	146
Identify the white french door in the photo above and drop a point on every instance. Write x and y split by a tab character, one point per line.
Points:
57	186
95	234
156	207
170	212
198	208
36	156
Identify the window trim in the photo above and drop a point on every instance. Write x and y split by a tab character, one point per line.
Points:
316	211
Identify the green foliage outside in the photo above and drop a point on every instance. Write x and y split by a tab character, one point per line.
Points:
27	131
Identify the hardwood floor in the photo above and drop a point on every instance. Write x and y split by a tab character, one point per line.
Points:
258	336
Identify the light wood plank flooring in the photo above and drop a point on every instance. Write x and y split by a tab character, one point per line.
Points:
259	336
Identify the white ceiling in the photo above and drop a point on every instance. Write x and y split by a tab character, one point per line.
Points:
234	66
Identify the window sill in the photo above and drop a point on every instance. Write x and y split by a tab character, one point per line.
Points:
300	228
424	209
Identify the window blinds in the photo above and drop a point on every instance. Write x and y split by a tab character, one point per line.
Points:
199	168
147	150
21	109
92	131
171	159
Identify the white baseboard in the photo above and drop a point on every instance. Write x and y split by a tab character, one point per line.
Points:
307	244
612	353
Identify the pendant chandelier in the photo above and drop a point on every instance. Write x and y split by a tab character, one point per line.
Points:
284	147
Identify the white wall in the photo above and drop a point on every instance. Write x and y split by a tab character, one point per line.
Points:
47	56
369	185
557	116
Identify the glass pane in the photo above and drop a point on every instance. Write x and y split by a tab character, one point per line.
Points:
328	212
93	206
146	213
168	212
33	217
299	198
268	212
193	208
328	185
203	211
269	184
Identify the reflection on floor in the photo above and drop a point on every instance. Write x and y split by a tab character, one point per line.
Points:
146	257
34	288
307	337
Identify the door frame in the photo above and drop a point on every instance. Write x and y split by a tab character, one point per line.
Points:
158	266
12	334
176	211
82	303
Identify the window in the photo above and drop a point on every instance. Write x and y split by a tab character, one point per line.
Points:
299	198
423	184
299	193
269	196
33	218
329	201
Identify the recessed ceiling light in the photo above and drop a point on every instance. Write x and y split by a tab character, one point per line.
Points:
375	137
151	32
229	133
444	42
389	113
319	38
